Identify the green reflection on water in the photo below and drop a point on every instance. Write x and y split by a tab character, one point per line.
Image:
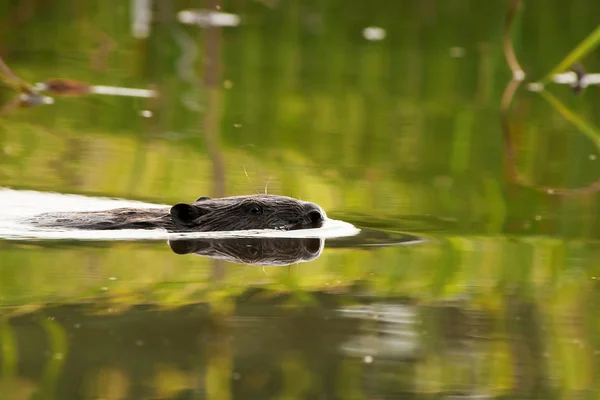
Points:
396	135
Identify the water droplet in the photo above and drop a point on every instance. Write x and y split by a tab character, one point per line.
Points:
374	33
518	75
535	86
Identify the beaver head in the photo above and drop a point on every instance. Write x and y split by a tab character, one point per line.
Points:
260	211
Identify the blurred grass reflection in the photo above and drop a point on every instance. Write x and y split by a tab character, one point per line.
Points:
401	134
507	315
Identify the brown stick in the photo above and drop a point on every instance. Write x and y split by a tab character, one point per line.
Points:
509	51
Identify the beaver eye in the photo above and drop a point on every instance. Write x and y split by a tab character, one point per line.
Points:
254	209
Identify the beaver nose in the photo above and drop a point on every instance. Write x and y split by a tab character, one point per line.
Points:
315	217
314	213
313	247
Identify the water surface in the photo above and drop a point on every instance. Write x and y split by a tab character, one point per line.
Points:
463	283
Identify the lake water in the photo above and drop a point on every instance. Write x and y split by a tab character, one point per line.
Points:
474	268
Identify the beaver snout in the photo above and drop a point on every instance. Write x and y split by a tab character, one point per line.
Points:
315	217
314	214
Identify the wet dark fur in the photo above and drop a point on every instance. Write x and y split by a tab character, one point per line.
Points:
259	211
253	251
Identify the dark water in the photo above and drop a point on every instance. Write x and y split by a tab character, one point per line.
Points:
399	135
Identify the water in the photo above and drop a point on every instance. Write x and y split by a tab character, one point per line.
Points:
467	279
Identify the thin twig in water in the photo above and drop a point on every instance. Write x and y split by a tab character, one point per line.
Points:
11	105
509	51
12	80
8	74
510	154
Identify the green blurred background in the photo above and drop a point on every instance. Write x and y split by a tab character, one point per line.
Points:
401	134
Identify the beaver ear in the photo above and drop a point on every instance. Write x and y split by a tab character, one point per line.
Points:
184	213
202	198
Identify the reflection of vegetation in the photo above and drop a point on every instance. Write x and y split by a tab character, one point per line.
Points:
510	151
371	129
381	127
58	342
263	343
491	308
590	43
590	131
509	50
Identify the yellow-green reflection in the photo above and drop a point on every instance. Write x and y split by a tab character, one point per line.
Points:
400	134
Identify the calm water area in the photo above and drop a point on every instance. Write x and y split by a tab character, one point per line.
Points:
476	271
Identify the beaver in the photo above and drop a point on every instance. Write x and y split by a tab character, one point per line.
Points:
260	211
253	251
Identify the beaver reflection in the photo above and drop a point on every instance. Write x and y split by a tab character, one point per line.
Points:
253	251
